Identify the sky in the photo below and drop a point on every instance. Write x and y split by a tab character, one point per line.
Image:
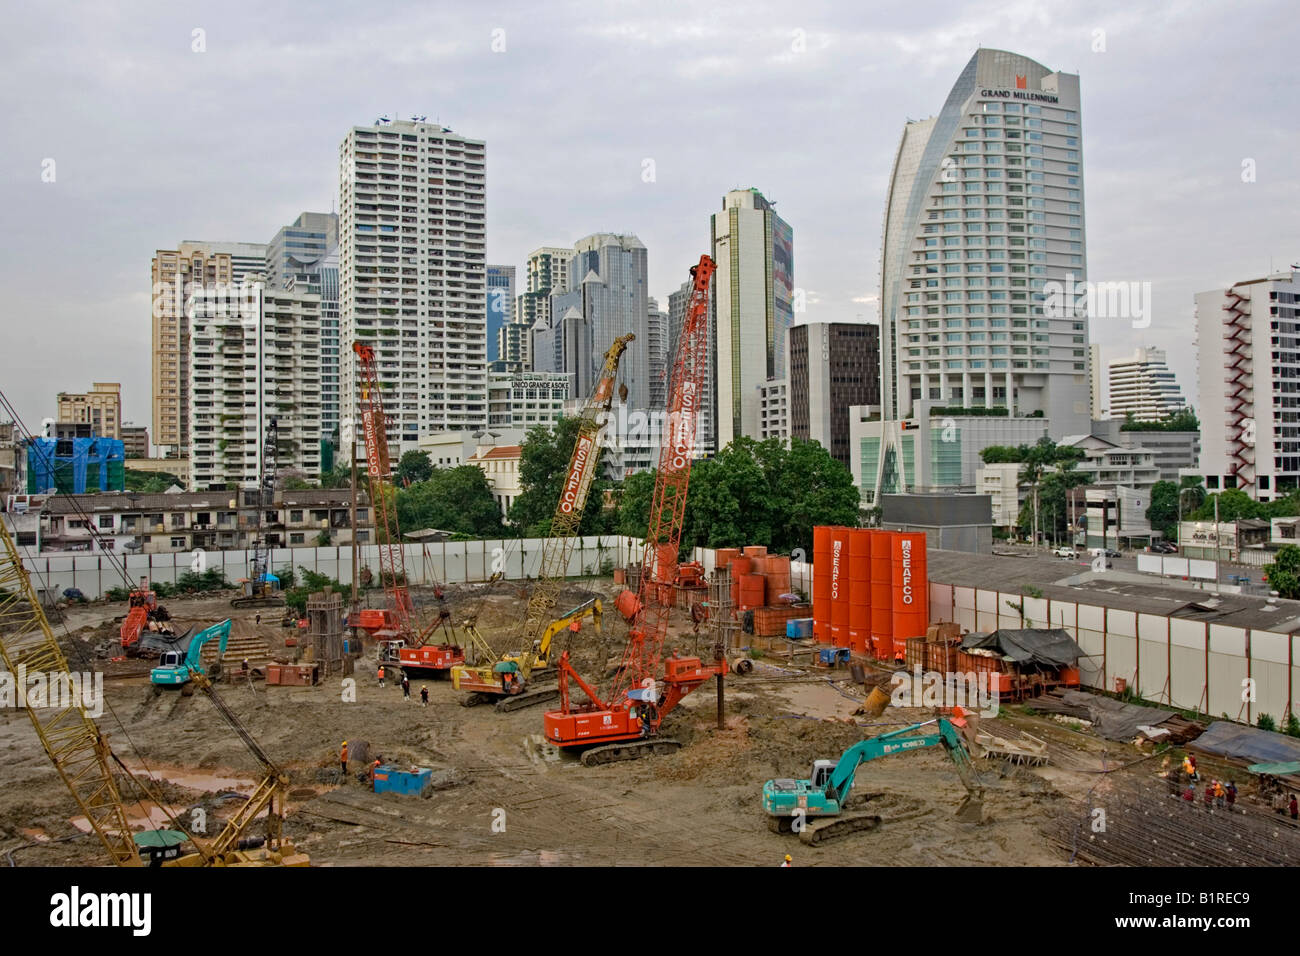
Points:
222	121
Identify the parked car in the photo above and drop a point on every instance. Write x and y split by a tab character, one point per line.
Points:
1110	553
1066	553
1164	547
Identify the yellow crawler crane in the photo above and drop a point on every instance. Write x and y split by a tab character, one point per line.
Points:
81	754
507	676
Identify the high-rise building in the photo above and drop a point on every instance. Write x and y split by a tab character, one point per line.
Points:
753	292
1096	388
833	366
209	270
101	408
299	248
1248	401
500	306
271	351
656	345
515	346
985	209
605	298
1144	387
412	274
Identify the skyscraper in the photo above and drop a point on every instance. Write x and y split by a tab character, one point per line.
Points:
500	305
753	289
833	366
298	248
605	298
1144	387
656	345
545	274
985	207
412	273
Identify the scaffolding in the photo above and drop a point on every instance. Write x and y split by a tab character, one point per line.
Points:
325	633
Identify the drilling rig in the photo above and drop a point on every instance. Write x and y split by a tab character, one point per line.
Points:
416	651
623	723
509	675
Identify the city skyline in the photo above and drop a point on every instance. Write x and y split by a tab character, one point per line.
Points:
1152	178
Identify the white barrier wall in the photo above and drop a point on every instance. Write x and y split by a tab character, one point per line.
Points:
1215	669
448	562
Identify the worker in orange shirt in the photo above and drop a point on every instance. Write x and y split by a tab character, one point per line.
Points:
343	759
375	764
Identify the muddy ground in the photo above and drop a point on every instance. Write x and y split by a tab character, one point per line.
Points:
504	798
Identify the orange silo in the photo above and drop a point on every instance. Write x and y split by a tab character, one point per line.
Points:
821	584
859	590
882	582
840	586
911	606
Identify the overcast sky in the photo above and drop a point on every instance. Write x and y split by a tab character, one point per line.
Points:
154	143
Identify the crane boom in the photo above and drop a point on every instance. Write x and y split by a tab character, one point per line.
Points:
633	706
533	644
672	483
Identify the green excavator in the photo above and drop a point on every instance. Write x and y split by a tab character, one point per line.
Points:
814	808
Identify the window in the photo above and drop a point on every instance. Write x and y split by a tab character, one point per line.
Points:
105	522
178	542
297	538
295	517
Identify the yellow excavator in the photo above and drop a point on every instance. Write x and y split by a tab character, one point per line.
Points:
83	759
506	675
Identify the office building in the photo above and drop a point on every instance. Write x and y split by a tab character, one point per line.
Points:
1143	386
101	408
833	367
500	306
753	292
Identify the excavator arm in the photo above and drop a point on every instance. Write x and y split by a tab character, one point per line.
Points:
840	785
591	606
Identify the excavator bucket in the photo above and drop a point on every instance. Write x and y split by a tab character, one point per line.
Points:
971	808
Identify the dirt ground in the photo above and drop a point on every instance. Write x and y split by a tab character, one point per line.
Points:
504	798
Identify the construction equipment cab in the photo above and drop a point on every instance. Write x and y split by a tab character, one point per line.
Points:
173	670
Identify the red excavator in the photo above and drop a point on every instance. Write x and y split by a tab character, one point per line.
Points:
623	723
145	613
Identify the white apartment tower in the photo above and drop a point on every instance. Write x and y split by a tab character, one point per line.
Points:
753	289
252	360
1144	386
1248	372
412	274
985	207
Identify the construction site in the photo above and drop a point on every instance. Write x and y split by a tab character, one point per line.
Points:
675	712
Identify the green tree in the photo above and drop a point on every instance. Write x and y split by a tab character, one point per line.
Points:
414	466
543	467
1234	504
340	476
1004	454
150	482
1283	575
458	500
810	488
634	504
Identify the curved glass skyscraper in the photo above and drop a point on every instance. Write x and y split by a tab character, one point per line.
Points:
985	208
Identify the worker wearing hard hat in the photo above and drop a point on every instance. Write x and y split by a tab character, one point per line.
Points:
343	759
786	861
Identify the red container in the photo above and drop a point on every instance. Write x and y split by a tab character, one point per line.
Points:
758	565
821	584
740	566
859	590
909	592
627	604
882	618
752	591
723	557
755	551
839	585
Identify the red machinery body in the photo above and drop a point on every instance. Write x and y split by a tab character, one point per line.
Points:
638	698
419	653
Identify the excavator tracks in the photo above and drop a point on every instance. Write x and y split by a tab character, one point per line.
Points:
528	698
629	750
832	828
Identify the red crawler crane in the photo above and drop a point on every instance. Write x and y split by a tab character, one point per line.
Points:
624	724
416	652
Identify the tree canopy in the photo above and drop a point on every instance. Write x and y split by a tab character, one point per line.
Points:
413	466
1283	574
1183	420
457	499
753	492
543	466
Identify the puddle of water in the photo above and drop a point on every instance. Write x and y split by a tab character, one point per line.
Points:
155	819
199	780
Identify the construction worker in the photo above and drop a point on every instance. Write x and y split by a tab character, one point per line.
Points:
258	619
374	765
406	689
1219	794
1189	767
1189	795
381	675
1209	796
1279	800
787	861
1231	793
343	759
424	696
1295	808
575	627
